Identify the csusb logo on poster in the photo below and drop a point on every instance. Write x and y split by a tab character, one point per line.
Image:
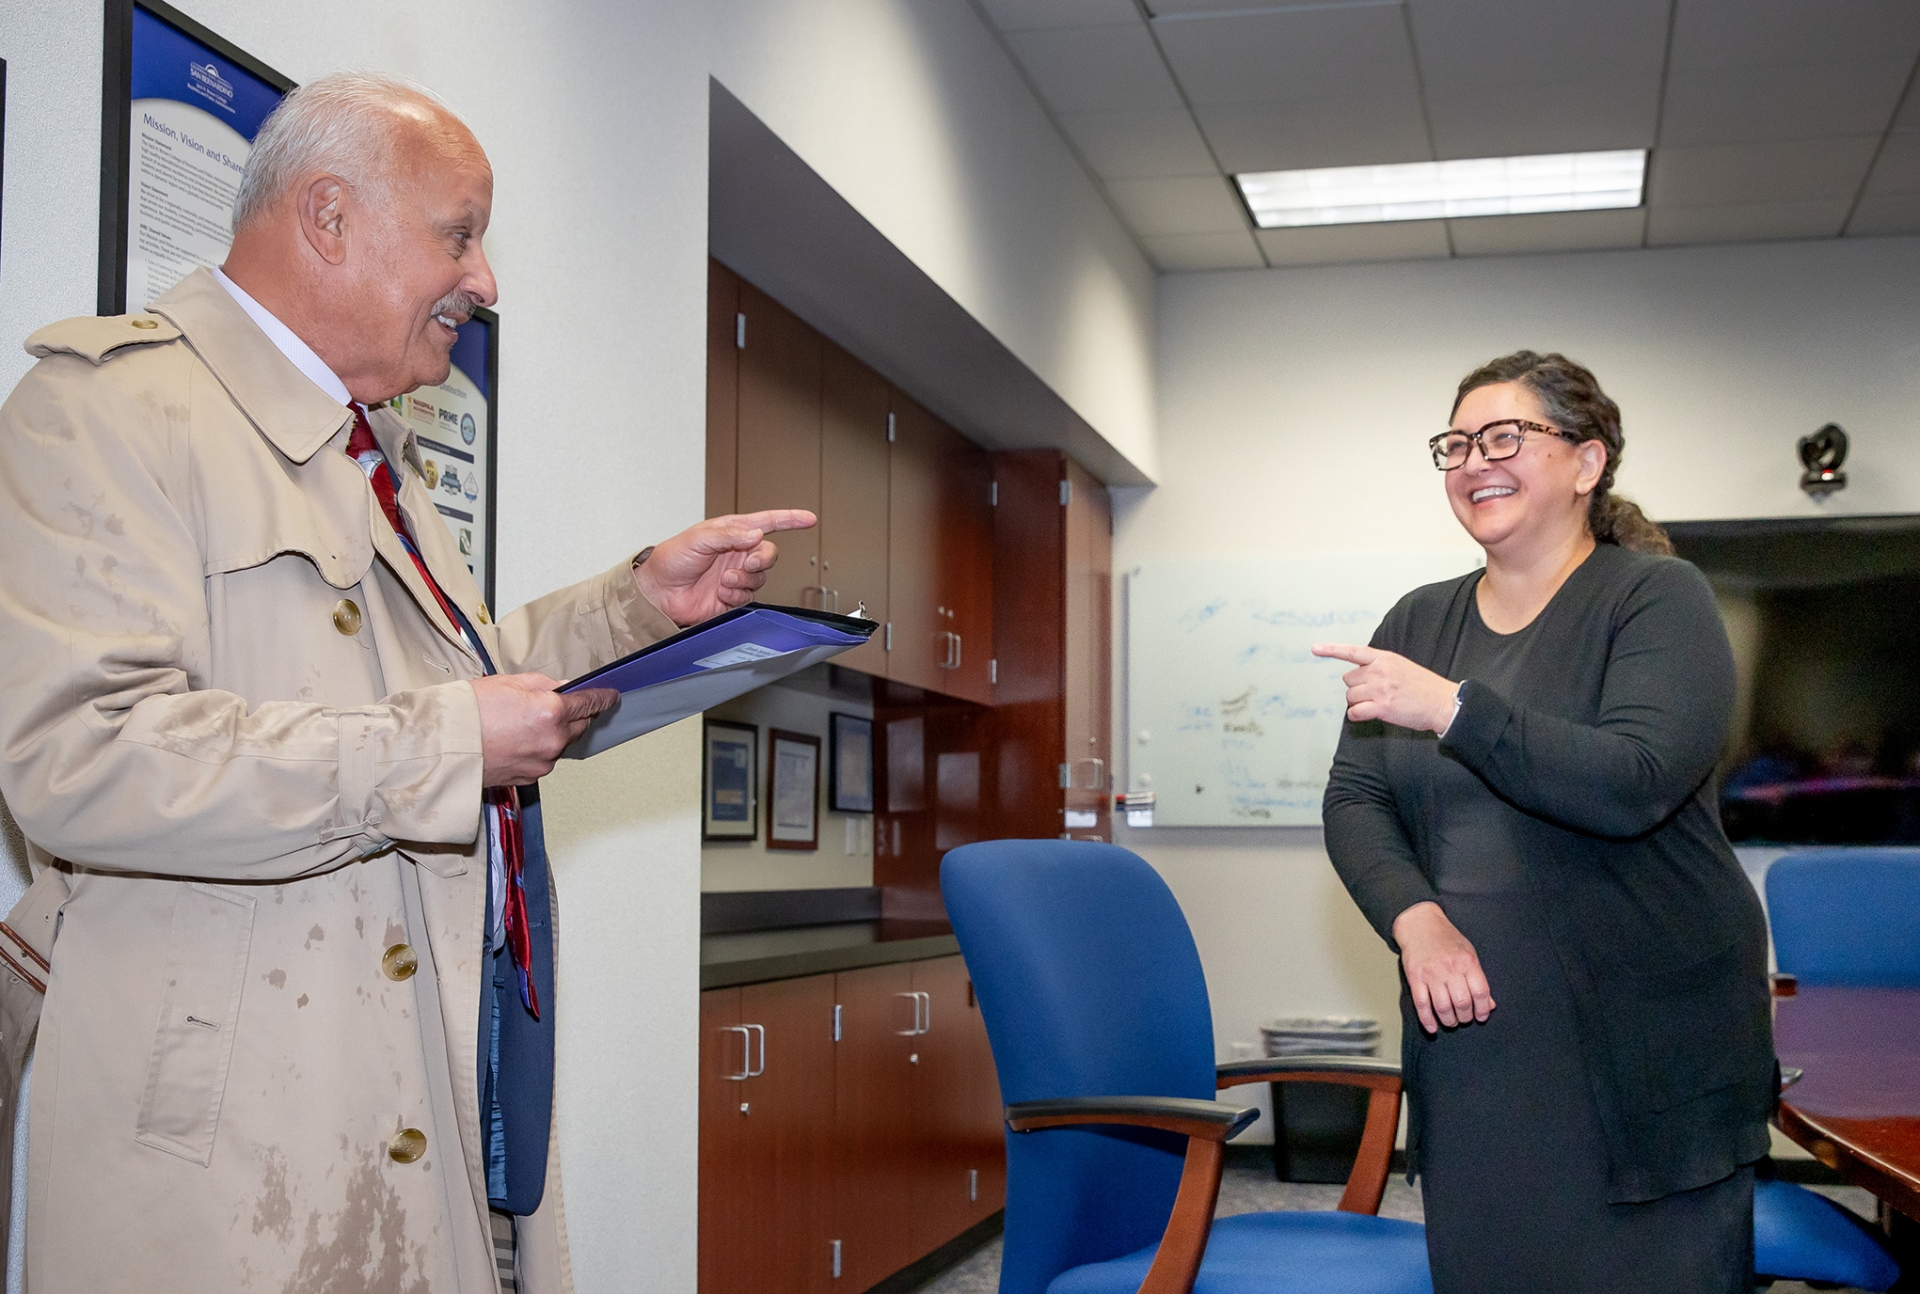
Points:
204	79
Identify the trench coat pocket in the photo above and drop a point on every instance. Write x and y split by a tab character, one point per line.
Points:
193	1041
1693	1027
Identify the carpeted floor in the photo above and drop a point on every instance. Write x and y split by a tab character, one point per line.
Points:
1248	1186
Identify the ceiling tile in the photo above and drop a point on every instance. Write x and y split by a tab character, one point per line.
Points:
1885	213
1807	101
1180	252
1034	15
1412	240
1095	69
1561	231
1486	41
1746	222
1341	53
1325	132
1754	33
1897	169
1199	205
1134	145
1762	173
1541	113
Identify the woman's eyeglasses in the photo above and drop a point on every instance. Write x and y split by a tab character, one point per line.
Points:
1497	440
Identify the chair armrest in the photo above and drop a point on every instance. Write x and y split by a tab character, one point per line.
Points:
1206	1120
1354	1071
1206	1126
1367	1183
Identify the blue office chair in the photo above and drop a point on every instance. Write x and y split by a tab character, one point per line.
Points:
1801	1235
1847	916
1094	1001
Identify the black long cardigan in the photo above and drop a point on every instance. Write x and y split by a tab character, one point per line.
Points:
1605	759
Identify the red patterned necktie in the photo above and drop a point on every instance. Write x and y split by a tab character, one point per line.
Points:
502	802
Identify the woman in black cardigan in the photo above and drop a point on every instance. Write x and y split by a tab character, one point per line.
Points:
1522	804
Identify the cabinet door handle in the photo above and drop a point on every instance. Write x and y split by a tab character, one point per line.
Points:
824	593
952	660
1097	781
760	1032
914	1030
746	1053
926	1011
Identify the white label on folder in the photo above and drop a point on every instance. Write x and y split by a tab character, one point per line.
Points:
739	656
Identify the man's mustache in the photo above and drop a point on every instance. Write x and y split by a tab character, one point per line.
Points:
457	306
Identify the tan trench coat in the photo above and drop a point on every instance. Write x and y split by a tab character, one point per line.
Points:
256	793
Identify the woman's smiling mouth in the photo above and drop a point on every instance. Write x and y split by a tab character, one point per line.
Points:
1486	492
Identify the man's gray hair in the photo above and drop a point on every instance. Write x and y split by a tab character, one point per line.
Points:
343	123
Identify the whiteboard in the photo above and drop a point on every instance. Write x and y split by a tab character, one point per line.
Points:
1232	721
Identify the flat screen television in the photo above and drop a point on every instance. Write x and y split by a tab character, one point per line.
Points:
1824	618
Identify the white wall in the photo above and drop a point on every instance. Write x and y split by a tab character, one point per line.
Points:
594	114
845	855
1294	410
912	111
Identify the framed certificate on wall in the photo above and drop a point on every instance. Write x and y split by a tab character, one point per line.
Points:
793	790
181	109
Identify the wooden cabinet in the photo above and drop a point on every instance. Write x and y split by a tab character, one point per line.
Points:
854	492
874	1111
766	1072
1054	646
778	456
960	1108
905	501
940	557
882	1145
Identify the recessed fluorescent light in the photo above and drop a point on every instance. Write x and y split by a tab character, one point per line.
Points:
1485	186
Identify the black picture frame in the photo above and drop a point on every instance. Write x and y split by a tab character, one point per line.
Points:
116	132
850	761
721	739
431	449
804	792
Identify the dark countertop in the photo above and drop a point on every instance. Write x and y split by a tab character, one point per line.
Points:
754	956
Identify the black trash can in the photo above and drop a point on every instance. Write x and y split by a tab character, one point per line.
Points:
1317	1126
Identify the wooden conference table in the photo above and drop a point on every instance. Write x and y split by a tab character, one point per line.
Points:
1857	1106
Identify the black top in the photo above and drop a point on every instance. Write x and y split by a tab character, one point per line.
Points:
1600	744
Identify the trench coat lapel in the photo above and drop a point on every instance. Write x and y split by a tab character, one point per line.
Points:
296	416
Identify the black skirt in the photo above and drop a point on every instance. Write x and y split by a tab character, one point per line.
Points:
1513	1159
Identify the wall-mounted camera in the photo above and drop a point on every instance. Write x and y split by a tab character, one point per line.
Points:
1821	454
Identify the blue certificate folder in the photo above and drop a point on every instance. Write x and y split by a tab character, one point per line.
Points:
712	662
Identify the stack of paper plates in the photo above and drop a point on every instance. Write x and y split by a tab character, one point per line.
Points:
1324	1035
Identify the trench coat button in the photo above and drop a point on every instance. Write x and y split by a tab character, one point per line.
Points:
145	323
407	1145
346	616
400	962
483	614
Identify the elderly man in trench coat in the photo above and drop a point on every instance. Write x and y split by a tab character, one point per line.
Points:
247	740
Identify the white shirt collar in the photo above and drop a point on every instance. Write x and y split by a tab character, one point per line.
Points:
297	352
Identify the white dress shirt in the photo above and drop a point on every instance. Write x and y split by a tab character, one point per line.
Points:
298	352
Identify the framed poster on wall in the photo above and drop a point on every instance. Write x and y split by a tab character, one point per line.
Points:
729	765
180	109
453	426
